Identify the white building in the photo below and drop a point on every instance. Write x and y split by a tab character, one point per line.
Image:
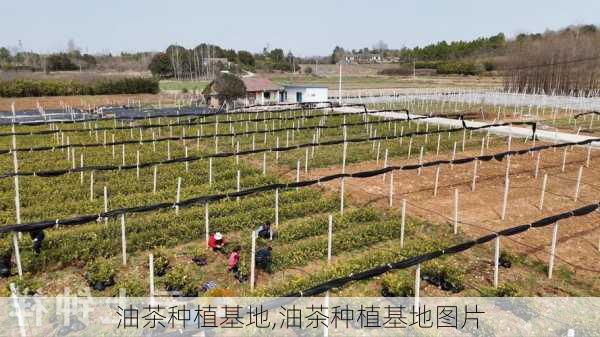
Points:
294	93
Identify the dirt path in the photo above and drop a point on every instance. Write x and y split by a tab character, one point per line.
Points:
479	211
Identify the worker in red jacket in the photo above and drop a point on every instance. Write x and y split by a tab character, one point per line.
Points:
216	242
233	263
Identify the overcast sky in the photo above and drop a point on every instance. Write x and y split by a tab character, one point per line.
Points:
307	27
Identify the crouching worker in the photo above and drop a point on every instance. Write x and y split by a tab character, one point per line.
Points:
264	258
265	231
216	242
234	262
37	236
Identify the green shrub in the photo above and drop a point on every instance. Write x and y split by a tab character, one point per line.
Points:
443	275
183	280
27	286
461	68
397	71
36	88
398	284
161	262
100	274
132	285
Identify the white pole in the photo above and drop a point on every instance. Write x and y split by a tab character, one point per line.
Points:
18	255
276	208
543	191
238	184
340	86
505	198
453	155
264	166
402	223
420	161
564	160
456	211
123	240
306	160
474	175
105	203
578	183
297	173
178	195
137	164
391	189
589	154
154	179
187	163
123	155
342	195
329	239
206	224
417	287
385	162
253	259
552	249
210	175
537	165
437	149
17	307
151	276
92	186
435	184
344	154
81	166
496	261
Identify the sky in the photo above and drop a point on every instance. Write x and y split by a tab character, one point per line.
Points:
307	28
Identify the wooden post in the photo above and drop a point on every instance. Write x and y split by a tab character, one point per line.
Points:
344	156
17	255
463	139
456	211
505	198
564	160
391	194
154	179
385	162
589	155
123	240
178	196
151	276
329	239
496	261
277	208
578	183
543	191
342	195
417	287
402	223
92	186
552	249
206	224
409	147
437	149
253	261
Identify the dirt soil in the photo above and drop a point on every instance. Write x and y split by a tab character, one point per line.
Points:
480	211
58	102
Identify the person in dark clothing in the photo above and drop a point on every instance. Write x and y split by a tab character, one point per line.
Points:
37	236
265	231
5	263
264	256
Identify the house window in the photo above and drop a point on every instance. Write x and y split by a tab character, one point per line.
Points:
267	95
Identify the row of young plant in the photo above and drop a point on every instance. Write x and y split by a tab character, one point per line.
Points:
80	244
129	131
43	198
103	155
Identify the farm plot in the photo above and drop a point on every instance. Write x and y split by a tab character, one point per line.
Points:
213	162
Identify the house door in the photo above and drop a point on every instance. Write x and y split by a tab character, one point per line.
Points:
299	97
